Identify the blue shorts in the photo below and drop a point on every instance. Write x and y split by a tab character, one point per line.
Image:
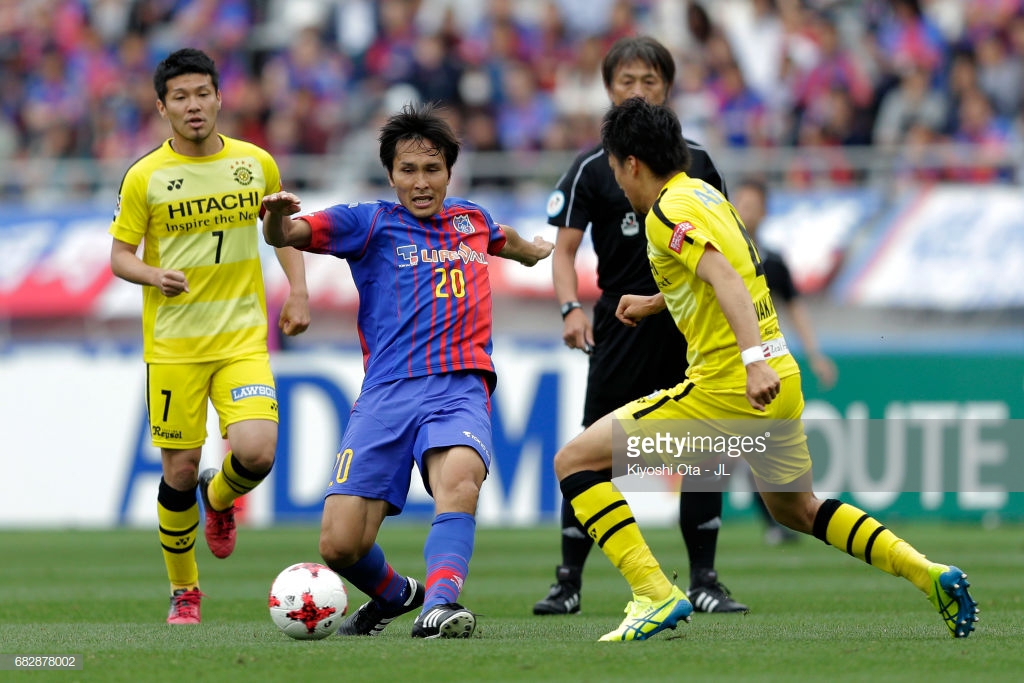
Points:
392	425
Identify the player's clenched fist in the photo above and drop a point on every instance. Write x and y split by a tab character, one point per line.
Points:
172	283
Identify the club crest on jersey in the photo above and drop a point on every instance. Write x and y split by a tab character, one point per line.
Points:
242	172
678	233
462	224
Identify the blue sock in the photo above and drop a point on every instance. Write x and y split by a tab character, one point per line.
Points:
374	576
447	551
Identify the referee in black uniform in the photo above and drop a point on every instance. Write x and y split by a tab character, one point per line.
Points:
625	363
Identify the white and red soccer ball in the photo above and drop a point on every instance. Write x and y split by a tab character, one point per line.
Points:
307	601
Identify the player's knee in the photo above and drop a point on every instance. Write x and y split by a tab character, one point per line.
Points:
183	477
260	461
458	496
339	552
181	472
566	461
253	443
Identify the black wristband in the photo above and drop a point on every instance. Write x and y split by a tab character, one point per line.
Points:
569	307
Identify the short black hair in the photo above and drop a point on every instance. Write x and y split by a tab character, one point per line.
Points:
649	132
646	49
184	61
418	122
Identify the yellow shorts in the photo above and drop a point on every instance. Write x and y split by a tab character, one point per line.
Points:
177	395
688	424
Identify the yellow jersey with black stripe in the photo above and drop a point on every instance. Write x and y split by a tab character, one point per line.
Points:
689	215
199	215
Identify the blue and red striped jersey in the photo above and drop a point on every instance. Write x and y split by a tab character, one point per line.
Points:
424	292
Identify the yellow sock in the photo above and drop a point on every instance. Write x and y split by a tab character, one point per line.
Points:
862	536
232	482
178	540
607	518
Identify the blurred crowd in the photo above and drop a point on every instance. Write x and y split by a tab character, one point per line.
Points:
315	77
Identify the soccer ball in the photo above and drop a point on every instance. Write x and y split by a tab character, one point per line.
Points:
307	601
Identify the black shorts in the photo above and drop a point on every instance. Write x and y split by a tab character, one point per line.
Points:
630	362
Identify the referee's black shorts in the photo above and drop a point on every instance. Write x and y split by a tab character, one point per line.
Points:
630	362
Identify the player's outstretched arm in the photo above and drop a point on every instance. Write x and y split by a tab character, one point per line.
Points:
279	230
283	233
737	306
295	317
518	249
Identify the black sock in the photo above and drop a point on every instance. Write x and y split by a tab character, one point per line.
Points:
700	516
576	544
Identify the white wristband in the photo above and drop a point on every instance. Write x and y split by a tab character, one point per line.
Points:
752	355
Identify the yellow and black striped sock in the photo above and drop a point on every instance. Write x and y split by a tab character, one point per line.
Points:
178	516
607	518
233	481
862	536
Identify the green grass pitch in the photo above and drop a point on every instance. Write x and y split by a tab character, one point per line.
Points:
816	613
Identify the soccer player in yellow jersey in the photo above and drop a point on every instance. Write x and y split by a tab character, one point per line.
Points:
193	203
710	278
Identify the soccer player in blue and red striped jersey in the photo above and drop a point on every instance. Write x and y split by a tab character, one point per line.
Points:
420	266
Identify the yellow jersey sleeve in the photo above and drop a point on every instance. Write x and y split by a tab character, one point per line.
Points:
689	217
131	216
